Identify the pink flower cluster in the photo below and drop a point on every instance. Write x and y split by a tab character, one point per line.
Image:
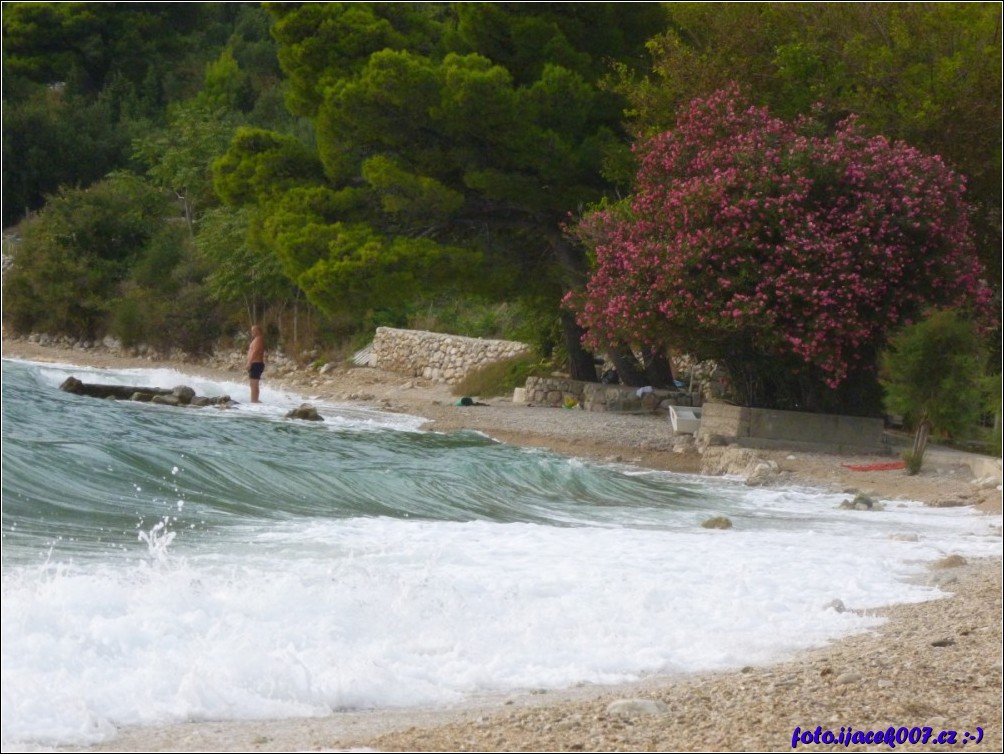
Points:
800	243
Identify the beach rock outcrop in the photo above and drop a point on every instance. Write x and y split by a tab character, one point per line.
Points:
306	412
182	395
862	502
736	461
717	522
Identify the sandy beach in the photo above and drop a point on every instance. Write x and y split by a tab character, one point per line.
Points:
932	665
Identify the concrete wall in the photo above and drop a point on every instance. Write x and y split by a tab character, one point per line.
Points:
757	427
435	356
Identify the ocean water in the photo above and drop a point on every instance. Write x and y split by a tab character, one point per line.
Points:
164	565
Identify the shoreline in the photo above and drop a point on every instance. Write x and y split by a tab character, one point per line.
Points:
932	664
935	663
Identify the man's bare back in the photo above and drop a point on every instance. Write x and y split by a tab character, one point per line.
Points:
256	361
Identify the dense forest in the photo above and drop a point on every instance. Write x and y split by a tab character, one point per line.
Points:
173	172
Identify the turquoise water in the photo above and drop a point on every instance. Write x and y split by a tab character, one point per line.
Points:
163	564
83	475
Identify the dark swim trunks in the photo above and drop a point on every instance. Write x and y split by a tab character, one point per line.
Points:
257	367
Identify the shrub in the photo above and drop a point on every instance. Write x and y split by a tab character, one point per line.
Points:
913	462
500	377
785	252
933	375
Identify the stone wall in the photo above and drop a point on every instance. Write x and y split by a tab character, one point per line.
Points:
594	396
764	428
435	356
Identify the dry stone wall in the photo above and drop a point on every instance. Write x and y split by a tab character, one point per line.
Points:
436	356
595	396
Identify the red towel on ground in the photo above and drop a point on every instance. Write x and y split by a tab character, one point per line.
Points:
891	466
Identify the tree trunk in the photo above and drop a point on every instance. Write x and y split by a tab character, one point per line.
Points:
658	370
580	361
627	367
919	445
581	364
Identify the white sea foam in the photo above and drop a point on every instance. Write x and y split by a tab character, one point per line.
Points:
274	402
308	617
304	615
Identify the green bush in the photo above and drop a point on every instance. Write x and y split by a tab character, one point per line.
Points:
932	375
913	462
501	377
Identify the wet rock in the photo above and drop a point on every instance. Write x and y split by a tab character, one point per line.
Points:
764	472
718	522
862	502
306	412
184	394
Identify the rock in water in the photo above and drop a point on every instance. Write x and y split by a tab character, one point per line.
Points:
305	412
718	522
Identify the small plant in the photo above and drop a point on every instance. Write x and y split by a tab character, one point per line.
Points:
500	377
913	462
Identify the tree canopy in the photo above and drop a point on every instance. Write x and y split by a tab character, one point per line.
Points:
928	74
786	251
454	141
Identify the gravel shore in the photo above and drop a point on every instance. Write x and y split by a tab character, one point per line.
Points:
935	664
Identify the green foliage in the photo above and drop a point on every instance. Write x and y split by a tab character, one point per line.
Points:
913	461
77	251
242	272
82	79
179	157
158	47
164	302
932	375
318	43
261	164
188	320
454	142
501	377
932	371
53	138
926	73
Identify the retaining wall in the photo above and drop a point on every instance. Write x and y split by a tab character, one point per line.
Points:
436	356
595	396
758	427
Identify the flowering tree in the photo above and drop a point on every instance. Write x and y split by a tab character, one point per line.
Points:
783	251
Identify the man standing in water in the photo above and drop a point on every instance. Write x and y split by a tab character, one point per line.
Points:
256	361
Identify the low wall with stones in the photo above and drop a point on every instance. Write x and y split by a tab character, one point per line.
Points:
435	356
595	396
765	428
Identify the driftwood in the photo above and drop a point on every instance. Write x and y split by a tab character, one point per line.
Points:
177	396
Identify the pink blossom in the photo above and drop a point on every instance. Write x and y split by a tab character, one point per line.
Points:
807	246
